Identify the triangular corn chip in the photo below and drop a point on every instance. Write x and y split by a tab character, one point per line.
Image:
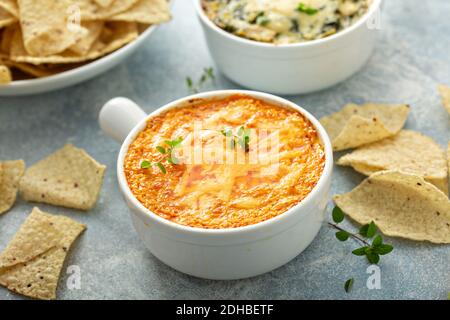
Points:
114	35
355	125
401	205
145	11
45	26
91	10
5	75
408	151
35	236
104	3
445	95
10	6
10	174
69	177
83	45
6	18
38	277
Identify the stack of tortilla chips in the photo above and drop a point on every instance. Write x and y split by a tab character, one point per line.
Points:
406	192
32	262
40	38
69	177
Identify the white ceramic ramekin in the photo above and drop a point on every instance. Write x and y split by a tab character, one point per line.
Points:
223	253
292	68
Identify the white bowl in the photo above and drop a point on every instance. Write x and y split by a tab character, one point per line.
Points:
77	75
292	68
219	253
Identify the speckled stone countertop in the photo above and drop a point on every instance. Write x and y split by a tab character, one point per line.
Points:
411	58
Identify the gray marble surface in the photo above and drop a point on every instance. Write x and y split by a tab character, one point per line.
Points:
411	58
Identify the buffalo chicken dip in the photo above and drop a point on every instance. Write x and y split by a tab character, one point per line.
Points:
224	163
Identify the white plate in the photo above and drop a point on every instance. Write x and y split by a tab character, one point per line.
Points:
77	75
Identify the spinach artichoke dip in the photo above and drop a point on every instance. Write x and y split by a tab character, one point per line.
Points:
284	21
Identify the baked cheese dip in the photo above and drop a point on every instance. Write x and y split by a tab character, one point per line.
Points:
224	163
284	21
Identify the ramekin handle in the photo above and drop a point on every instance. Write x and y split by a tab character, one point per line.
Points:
119	116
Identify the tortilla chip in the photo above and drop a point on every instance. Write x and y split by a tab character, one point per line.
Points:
6	39
445	95
409	152
36	235
83	45
10	174
355	125
114	35
6	18
38	277
5	75
10	6
401	205
45	26
104	3
69	178
91	10
145	11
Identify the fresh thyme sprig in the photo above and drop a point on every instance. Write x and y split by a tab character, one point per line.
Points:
168	151
371	250
208	74
242	138
307	9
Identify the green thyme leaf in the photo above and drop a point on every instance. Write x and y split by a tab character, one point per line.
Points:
241	131
377	241
208	73
384	249
360	251
342	235
349	284
306	9
145	164
161	149
338	215
363	230
372	257
371	230
161	167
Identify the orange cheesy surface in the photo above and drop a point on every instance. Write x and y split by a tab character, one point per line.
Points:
218	178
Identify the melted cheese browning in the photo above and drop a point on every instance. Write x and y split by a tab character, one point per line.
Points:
216	186
280	21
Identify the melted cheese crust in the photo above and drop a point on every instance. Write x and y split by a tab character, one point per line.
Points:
280	21
228	194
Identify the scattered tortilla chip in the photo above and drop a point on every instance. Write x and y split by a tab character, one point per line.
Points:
114	35
445	95
5	75
45	26
38	277
448	158
104	3
10	174
355	125
145	11
83	45
6	18
10	6
69	178
408	151
401	205
91	10
36	235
